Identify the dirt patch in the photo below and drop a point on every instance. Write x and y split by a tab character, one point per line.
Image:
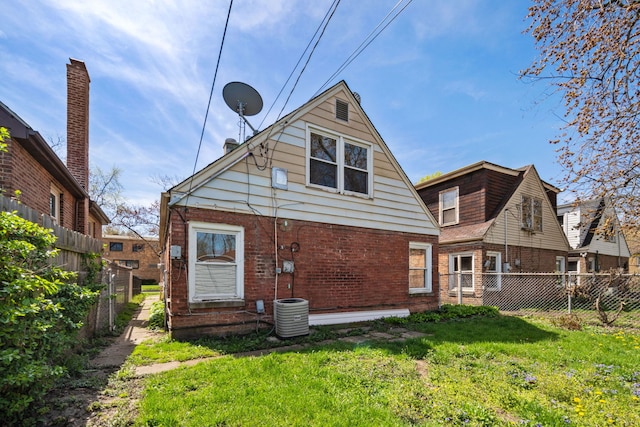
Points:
101	397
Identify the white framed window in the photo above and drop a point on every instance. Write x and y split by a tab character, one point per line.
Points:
493	269
54	204
339	163
560	269
449	207
420	267
531	218
216	262
461	271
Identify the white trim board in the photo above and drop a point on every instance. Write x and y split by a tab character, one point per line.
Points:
354	316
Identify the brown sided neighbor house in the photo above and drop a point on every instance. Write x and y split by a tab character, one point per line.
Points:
314	209
494	220
46	184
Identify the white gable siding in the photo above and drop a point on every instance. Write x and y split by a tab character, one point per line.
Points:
244	188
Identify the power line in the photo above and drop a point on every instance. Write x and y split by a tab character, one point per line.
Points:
215	74
366	42
323	25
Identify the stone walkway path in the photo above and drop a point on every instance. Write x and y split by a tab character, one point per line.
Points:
136	332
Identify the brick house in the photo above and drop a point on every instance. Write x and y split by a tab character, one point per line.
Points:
494	220
141	255
594	234
45	182
316	208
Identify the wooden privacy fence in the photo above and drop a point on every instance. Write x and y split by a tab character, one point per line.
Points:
72	245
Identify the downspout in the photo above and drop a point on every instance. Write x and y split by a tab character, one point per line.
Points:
506	245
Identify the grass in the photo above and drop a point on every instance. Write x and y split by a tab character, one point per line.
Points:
479	371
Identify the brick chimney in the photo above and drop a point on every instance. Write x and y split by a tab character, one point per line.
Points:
78	134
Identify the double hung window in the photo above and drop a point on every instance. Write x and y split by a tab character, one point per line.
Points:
449	207
216	261
339	163
420	267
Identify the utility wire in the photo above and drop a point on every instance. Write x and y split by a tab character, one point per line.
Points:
370	37
322	24
204	124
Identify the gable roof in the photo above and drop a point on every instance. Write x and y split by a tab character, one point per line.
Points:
180	193
38	148
482	164
480	231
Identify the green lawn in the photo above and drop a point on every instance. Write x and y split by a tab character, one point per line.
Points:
483	371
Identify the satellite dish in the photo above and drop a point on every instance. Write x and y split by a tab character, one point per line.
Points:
242	98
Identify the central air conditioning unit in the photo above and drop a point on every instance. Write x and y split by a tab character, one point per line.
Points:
291	316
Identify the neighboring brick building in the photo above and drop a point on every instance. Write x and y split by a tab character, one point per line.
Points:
494	220
46	184
314	208
141	255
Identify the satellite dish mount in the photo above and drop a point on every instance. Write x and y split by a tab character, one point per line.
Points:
244	100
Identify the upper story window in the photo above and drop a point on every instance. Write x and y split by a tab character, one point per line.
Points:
531	213
449	207
339	163
115	246
137	247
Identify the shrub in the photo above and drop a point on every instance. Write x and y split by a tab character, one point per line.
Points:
156	315
41	310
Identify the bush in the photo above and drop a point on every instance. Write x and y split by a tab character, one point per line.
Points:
447	311
156	315
41	310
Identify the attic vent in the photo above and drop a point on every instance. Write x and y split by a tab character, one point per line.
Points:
342	110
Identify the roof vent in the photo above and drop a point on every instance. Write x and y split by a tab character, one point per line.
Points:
357	96
230	144
342	110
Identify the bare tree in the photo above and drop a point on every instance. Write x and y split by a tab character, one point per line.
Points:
590	54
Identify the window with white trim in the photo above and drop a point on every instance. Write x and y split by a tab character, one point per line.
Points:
560	269
493	268
461	271
216	262
339	163
54	204
449	206
420	267
531	213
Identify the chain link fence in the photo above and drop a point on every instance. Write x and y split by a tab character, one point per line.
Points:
609	298
117	291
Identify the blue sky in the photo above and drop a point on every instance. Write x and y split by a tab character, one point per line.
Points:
439	83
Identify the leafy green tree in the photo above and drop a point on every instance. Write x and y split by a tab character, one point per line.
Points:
590	55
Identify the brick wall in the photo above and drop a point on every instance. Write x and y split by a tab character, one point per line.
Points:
146	255
78	132
337	269
532	260
22	172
